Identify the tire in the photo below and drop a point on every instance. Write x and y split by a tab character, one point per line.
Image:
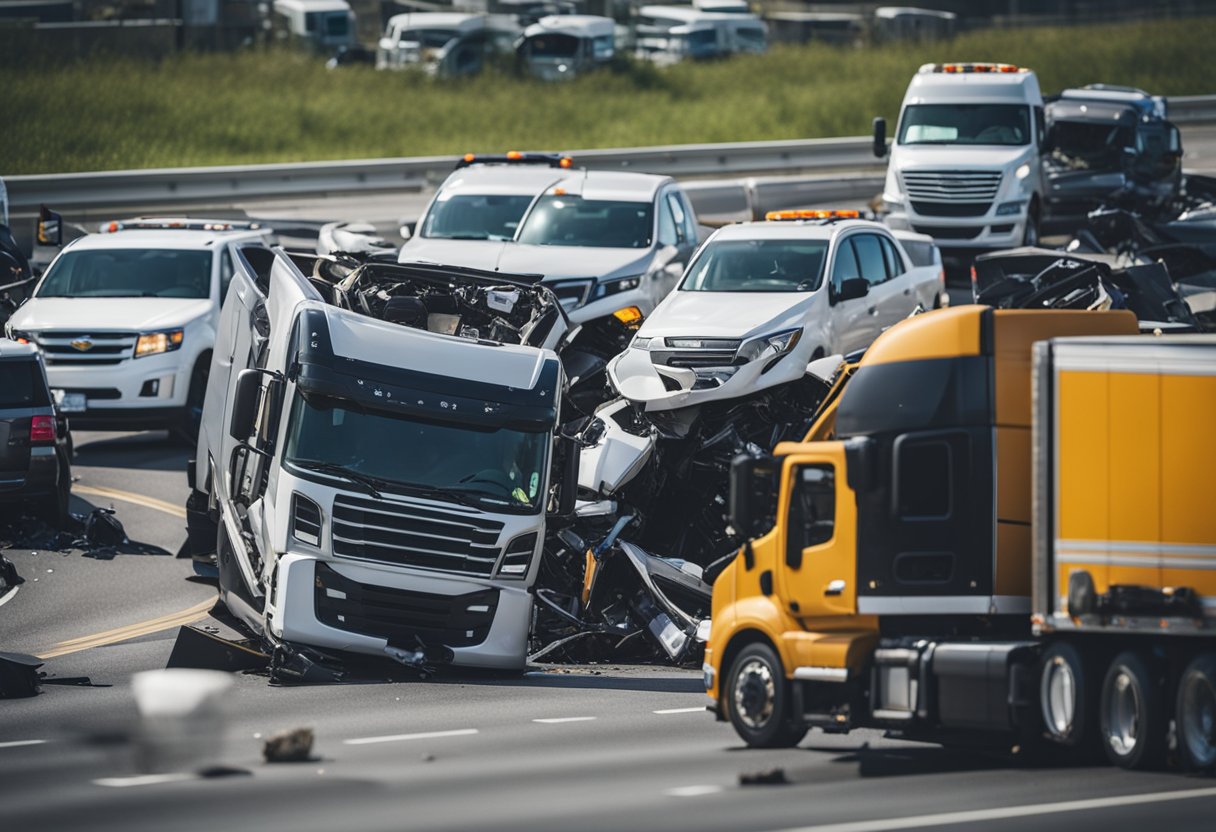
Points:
1133	715
758	699
1068	699
1030	234
192	419
1195	714
54	508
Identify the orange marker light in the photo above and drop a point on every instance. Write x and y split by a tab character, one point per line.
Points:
629	316
566	162
469	157
812	214
514	155
558	191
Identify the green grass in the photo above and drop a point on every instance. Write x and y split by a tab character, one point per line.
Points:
278	106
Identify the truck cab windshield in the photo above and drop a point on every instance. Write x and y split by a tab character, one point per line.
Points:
475	217
129	273
495	468
757	266
592	223
999	124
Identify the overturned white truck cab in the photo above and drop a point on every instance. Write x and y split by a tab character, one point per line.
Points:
376	455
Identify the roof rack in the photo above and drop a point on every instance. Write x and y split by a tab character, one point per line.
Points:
515	157
178	224
812	214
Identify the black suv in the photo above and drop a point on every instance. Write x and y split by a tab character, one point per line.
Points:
35	450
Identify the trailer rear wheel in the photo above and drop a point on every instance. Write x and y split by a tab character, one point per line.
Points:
758	699
1066	696
1196	714
1133	713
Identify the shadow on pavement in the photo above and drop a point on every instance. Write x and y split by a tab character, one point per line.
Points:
149	450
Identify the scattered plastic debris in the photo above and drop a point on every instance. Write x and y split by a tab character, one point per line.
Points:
293	746
768	777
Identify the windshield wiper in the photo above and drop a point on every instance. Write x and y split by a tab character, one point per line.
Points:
371	484
436	493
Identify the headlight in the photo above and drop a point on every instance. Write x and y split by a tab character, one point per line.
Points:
19	336
640	343
305	520
153	343
1023	171
518	557
1006	209
615	286
770	346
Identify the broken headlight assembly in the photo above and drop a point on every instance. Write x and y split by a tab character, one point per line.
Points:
305	520
154	343
607	288
771	347
518	557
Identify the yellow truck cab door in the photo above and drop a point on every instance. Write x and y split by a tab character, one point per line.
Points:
817	569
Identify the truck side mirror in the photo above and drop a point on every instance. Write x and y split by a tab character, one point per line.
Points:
50	228
244	405
853	288
880	137
751	494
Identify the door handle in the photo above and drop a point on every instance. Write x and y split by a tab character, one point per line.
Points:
835	587
907	291
873	310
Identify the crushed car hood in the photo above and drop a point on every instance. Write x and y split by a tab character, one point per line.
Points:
726	314
475	254
108	314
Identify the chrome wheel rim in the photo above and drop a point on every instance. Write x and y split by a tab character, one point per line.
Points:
1198	721
755	693
1059	697
1123	714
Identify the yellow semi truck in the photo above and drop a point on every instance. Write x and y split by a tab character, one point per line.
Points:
1001	529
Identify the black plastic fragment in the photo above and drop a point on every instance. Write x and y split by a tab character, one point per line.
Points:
19	675
198	649
294	665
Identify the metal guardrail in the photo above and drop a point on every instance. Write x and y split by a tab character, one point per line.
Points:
167	188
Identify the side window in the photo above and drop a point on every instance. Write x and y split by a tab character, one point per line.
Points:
812	511
870	258
226	272
677	212
895	263
667	224
690	222
845	267
923	479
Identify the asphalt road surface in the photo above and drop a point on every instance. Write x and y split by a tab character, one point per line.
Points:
604	747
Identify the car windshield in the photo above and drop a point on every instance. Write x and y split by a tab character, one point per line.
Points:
589	223
475	217
129	273
1004	124
428	38
1088	146
497	468
553	46
757	266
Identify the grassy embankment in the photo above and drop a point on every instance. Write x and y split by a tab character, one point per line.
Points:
276	106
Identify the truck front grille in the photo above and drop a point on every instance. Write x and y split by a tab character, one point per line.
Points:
951	209
403	617
413	535
85	348
952	185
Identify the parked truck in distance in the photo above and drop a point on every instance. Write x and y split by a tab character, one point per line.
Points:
956	561
965	161
374	469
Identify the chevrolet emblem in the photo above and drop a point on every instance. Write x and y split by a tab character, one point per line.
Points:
83	344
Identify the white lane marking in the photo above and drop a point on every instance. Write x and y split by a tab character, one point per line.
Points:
144	780
692	791
1005	813
19	743
426	735
8	596
698	710
559	719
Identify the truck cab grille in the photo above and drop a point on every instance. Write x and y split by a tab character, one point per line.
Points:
974	186
409	534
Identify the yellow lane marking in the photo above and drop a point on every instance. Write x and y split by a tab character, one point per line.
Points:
130	631
128	497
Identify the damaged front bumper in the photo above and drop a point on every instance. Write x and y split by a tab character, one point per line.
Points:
411	618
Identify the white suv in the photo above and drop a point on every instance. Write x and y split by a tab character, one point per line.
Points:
126	320
761	300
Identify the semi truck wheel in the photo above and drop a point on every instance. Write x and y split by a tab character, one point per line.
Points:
758	700
1195	715
1133	714
1067	697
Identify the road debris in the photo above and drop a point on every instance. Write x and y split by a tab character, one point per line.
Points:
767	777
204	650
19	677
294	746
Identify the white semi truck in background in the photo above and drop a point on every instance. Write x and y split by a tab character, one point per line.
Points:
374	466
965	163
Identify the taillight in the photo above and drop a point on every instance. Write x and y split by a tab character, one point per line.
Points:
42	430
941	276
973	275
